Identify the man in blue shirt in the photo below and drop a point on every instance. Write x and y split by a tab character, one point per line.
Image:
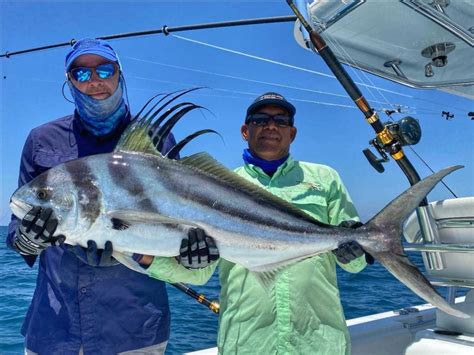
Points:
85	302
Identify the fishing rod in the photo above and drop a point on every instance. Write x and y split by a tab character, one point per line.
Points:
164	30
389	138
390	141
212	305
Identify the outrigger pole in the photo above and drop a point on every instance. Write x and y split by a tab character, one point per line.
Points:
166	31
390	144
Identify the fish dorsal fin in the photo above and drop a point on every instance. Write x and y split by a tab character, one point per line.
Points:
137	139
208	165
149	130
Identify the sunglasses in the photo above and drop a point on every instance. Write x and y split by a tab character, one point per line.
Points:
83	74
262	119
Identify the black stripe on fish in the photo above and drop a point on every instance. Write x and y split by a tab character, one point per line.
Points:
124	177
89	195
201	197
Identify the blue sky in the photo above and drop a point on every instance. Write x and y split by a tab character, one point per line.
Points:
331	130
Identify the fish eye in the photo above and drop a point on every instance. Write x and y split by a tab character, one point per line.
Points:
42	194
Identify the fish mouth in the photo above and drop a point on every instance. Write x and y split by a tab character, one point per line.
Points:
19	208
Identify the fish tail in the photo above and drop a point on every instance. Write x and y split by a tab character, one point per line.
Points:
385	245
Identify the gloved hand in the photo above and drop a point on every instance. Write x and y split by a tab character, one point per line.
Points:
34	232
198	250
346	252
93	256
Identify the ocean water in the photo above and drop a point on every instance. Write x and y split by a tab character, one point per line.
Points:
193	326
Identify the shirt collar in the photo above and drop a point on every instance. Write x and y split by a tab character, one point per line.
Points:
283	169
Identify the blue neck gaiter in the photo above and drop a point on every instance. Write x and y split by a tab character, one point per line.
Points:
268	166
100	117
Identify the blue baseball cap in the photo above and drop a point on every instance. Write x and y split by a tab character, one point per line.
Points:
271	98
91	46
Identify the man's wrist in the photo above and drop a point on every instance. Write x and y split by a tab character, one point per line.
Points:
146	260
143	260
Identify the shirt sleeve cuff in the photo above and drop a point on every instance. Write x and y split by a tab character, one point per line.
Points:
169	270
355	265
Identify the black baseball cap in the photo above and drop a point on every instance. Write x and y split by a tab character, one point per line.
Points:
270	98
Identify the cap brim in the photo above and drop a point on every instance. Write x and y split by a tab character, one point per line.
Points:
96	51
284	104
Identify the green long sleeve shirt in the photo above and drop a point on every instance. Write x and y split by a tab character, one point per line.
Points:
302	313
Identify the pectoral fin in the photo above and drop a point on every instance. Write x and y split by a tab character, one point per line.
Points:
266	279
123	219
266	275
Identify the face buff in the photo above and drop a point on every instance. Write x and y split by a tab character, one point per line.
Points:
100	117
268	166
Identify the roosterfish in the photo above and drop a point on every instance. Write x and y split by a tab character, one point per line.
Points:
145	203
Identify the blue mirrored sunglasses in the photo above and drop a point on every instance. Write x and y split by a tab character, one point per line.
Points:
83	74
262	119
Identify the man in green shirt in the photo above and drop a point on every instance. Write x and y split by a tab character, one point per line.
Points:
302	313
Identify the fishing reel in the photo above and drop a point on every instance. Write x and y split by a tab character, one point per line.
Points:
406	131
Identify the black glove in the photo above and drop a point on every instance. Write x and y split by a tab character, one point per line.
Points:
93	256
34	232
346	252
198	250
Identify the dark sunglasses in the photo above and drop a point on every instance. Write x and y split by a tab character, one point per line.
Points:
262	119
83	74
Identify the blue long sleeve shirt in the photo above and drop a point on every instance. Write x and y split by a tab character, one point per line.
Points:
104	310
